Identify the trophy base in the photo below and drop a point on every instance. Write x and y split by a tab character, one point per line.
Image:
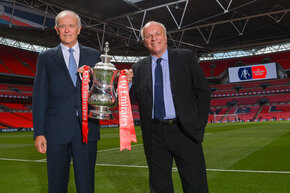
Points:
101	112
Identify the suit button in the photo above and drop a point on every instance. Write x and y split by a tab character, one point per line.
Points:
76	107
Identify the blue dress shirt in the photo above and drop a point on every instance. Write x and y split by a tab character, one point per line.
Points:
66	53
168	100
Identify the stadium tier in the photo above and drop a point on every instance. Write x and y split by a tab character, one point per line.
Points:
274	112
278	98
247	101
27	58
16	120
18	62
15	91
219	102
14	106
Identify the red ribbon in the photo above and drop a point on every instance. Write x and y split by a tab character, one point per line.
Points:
127	129
85	95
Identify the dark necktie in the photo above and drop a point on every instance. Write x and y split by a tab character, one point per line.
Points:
159	108
72	66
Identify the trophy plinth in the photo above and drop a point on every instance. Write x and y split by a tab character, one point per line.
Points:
101	112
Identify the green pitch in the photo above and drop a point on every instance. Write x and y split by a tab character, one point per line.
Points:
240	157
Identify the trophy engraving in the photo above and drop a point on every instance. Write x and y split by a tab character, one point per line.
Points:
102	94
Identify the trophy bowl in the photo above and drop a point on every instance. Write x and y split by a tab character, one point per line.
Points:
102	94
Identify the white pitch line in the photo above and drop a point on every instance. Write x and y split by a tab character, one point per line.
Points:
22	160
117	165
116	148
174	169
42	160
250	171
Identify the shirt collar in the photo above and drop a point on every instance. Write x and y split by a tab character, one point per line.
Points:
164	56
76	47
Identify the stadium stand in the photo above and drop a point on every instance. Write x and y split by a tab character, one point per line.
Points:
274	112
15	91
16	120
15	106
248	101
14	64
250	108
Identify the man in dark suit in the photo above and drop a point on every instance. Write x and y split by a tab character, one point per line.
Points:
57	111
174	100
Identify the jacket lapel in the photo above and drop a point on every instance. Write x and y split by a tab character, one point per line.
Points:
60	61
60	58
172	57
148	73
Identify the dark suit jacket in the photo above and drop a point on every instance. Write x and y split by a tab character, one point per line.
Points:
190	93
55	99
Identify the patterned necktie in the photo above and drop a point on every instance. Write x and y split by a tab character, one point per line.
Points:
159	108
72	66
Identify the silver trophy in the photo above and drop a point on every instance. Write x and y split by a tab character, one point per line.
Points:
102	94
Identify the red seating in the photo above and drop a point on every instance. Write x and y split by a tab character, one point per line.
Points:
16	120
205	66
282	111
221	112
14	63
4	69
24	88
17	106
11	93
136	115
223	92
247	100
277	88
27	57
219	102
221	66
15	91
278	98
109	122
4	86
122	66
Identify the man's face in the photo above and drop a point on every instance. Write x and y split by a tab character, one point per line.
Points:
68	30
155	39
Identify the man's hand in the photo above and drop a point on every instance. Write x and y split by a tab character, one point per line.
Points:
129	75
81	69
40	144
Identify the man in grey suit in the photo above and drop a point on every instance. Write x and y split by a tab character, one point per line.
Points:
57	112
174	100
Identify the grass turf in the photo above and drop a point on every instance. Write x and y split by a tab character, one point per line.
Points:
241	158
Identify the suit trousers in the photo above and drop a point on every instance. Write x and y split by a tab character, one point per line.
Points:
59	162
170	142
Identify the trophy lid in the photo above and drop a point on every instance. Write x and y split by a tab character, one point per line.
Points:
105	63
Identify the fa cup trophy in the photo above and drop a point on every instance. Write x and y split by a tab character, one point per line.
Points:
102	94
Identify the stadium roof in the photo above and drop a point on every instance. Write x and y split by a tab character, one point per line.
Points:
207	26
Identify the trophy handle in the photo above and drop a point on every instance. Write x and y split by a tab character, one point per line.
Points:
114	83
80	75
